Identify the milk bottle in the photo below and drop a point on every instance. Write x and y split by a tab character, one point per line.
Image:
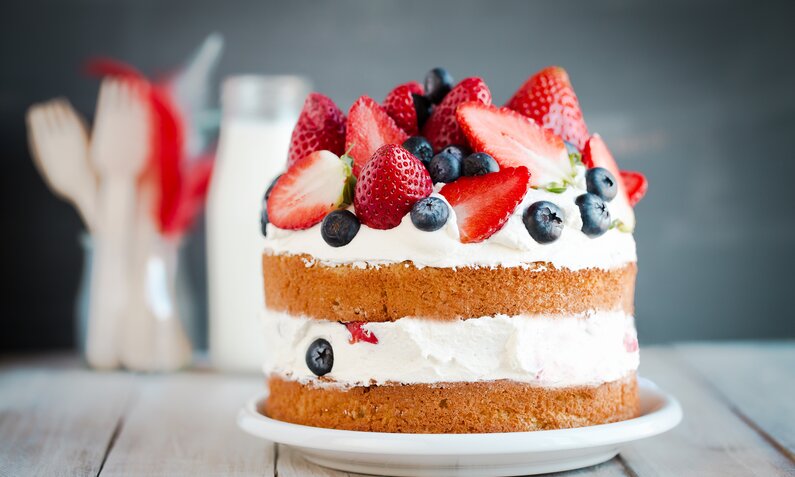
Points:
259	113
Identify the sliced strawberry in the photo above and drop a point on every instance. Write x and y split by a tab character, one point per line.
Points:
369	127
635	184
399	105
314	186
360	333
321	126
514	140
388	186
442	128
548	98
596	154
483	204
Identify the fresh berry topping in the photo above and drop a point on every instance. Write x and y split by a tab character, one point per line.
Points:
631	341
478	164
544	221
438	82
321	126
320	357
514	140
420	148
388	186
369	127
444	168
458	150
596	154
263	216
483	204
310	189
601	182
429	214
594	214
442	127
339	228
423	107
548	98
399	105
360	333
636	186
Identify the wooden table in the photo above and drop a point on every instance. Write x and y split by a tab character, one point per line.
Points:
57	418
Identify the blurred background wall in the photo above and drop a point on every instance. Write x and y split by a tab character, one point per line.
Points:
699	95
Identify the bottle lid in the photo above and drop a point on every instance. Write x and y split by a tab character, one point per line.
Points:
270	97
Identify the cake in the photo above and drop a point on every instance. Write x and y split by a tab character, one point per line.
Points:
438	264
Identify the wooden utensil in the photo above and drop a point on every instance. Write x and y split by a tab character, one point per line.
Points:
59	145
119	148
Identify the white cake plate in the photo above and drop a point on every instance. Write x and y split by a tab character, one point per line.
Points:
467	455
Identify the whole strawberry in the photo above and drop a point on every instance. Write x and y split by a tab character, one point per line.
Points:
399	105
321	126
548	98
442	128
388	186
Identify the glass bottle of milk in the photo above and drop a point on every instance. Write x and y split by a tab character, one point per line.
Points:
259	113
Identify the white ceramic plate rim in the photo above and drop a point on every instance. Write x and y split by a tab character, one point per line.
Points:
664	413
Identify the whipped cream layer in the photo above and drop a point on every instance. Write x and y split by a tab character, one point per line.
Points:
511	246
585	350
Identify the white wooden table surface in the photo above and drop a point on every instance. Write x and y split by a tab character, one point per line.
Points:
59	419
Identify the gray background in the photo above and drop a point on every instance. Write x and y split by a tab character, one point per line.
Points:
698	95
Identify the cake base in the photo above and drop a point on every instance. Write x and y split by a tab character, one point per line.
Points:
451	408
298	285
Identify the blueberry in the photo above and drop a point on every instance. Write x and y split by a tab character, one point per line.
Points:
544	221
444	167
601	182
458	150
429	214
438	83
320	357
263	215
478	164
420	147
594	213
423	107
339	228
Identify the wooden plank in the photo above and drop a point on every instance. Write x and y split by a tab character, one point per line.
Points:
184	425
56	420
757	379
711	440
289	463
613	468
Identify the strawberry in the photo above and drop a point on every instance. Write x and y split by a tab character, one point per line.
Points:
442	129
483	204
321	126
360	333
369	127
388	186
399	105
596	154
314	186
514	140
548	98
635	184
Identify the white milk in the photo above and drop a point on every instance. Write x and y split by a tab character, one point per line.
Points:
259	115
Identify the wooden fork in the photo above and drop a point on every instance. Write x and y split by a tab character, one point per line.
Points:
119	148
59	145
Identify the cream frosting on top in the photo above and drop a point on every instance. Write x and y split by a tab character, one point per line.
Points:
584	350
511	246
